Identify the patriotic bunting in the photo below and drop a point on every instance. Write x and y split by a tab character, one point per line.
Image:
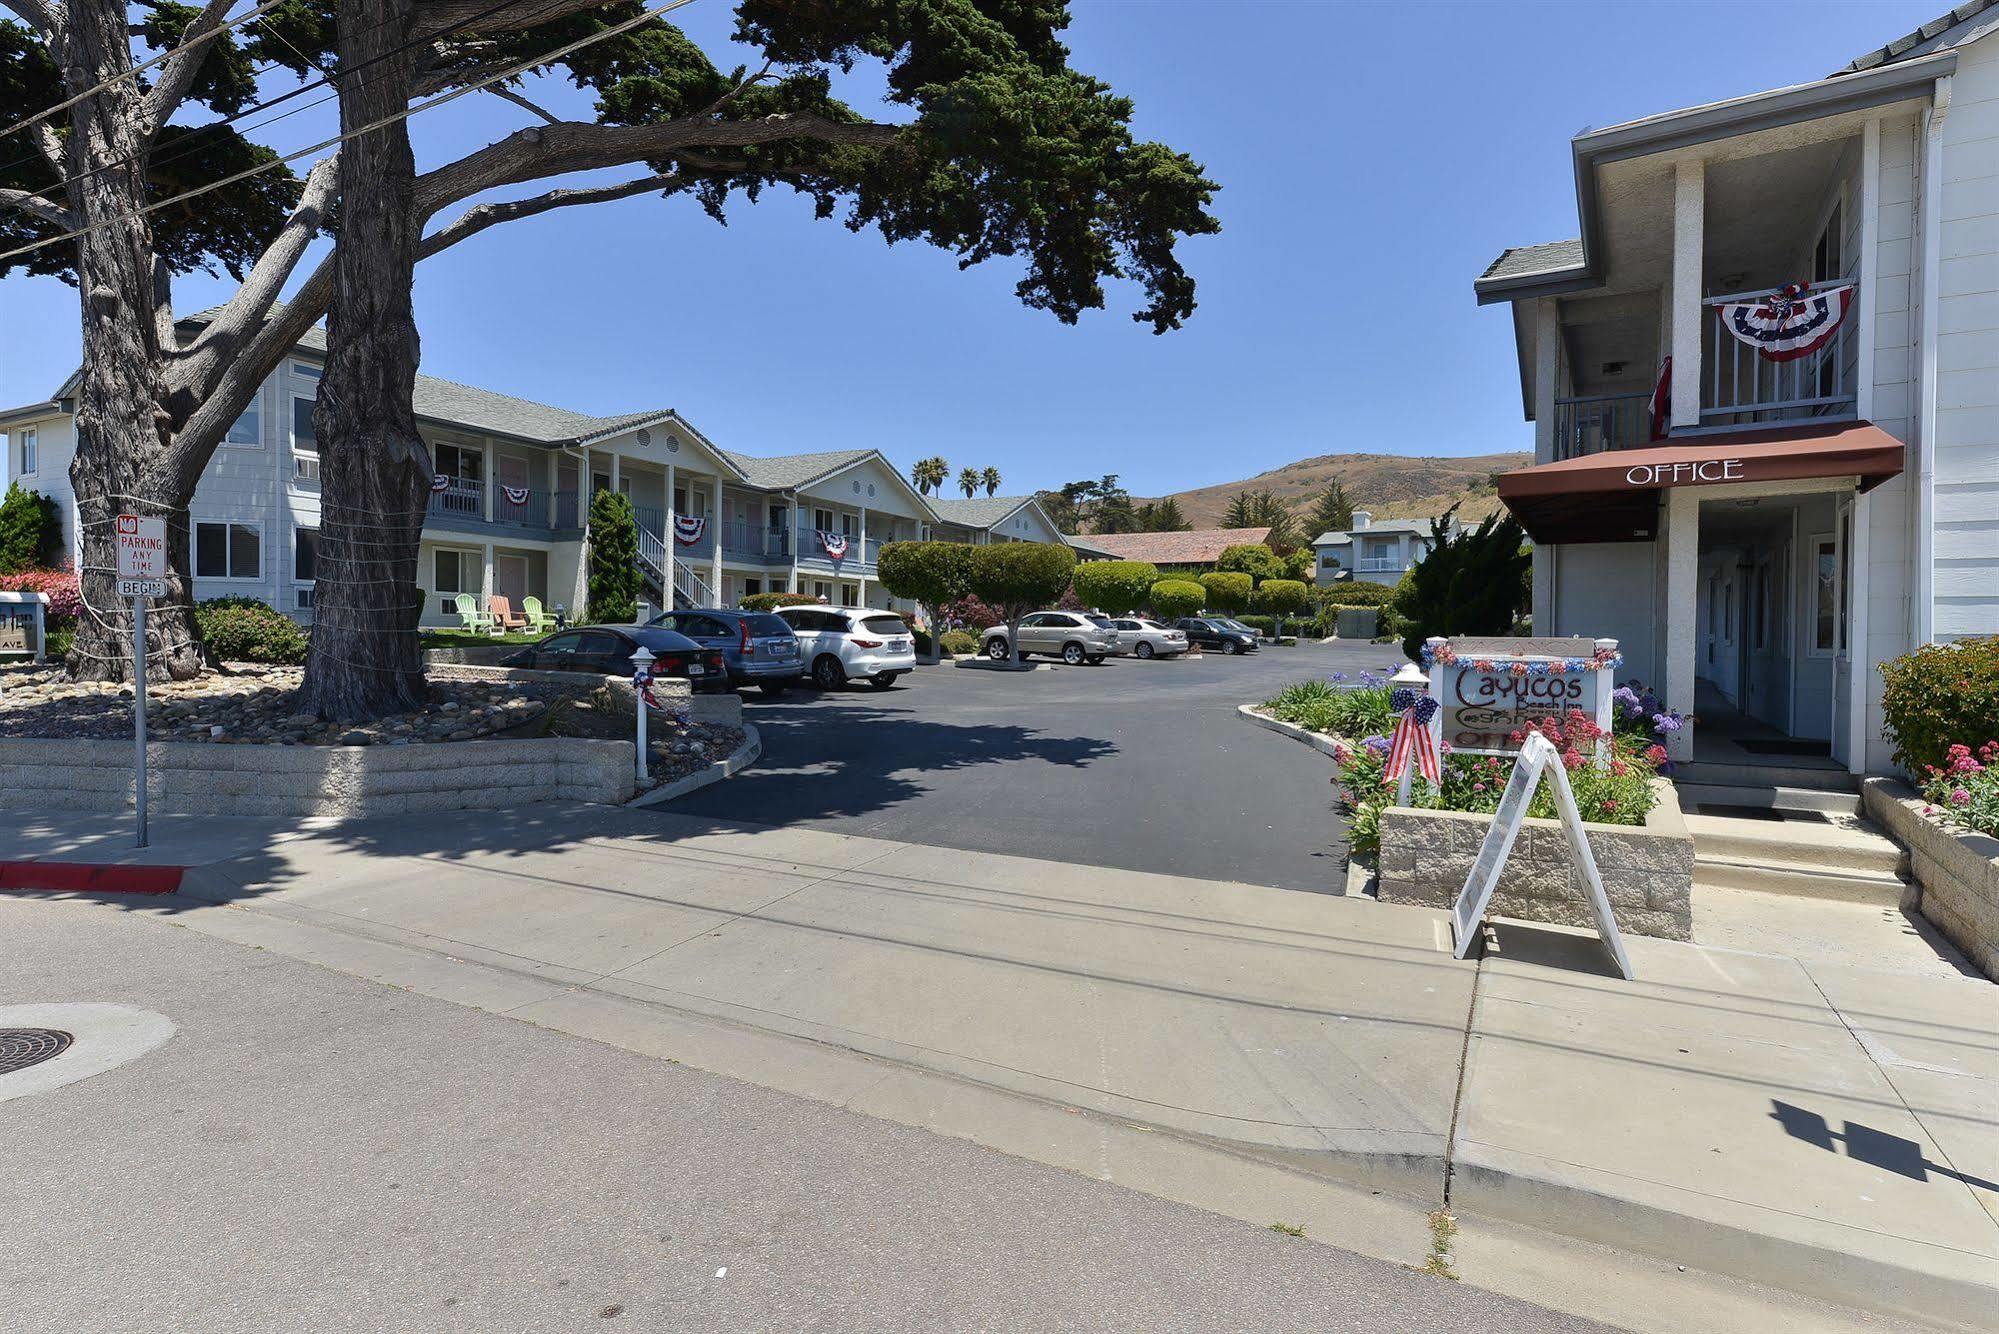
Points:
1412	738
835	544
1790	322
440	482
687	528
516	495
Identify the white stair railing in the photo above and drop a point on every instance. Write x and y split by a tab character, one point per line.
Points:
652	563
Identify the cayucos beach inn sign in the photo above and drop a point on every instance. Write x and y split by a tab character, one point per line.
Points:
1489	690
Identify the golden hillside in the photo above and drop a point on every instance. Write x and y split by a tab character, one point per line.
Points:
1388	486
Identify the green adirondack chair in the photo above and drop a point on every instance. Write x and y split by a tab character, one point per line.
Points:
539	621
469	615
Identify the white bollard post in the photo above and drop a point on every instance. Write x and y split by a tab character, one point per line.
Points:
641	678
1416	679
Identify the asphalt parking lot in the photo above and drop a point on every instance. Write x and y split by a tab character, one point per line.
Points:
1139	765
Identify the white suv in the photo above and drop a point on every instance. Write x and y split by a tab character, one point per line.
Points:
841	643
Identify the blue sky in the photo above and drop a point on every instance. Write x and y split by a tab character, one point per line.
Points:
1373	160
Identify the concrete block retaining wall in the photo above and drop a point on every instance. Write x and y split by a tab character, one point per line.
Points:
1956	872
1647	870
196	778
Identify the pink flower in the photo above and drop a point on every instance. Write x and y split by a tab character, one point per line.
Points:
1572	760
1518	669
1609	804
1620	768
1655	754
1959	797
1478	787
1482	665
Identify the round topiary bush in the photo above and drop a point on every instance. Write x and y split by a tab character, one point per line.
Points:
1939	696
959	643
1114	586
1174	598
247	630
1228	590
1357	594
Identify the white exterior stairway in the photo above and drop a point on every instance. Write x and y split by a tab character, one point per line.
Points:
1840	857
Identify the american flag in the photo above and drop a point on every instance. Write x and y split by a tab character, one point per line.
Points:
1413	736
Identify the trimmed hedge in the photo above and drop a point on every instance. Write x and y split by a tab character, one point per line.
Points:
1228	591
958	643
1171	599
771	601
249	630
1114	586
1358	594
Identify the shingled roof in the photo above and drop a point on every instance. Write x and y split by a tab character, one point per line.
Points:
1905	46
976	511
781	472
1521	260
1202	546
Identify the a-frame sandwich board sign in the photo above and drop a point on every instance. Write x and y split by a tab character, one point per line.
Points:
1537	759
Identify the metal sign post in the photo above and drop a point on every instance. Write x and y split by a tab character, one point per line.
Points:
142	569
641	682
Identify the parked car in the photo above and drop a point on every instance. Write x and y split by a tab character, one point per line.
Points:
759	648
839	644
1217	633
1069	635
1143	638
606	650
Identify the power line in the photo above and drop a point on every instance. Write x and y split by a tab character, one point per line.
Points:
136	70
188	149
404	114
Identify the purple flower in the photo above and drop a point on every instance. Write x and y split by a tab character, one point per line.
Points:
1339	676
1377	744
1665	724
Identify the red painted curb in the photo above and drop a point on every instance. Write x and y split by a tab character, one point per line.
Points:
89	878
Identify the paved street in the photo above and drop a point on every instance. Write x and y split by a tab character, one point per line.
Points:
314	1151
1139	765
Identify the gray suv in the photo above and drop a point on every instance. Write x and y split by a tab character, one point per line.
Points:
1069	635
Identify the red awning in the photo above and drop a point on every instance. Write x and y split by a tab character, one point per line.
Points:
1614	496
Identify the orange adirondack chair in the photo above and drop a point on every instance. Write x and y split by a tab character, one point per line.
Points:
504	616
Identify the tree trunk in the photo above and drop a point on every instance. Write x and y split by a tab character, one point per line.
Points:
124	459
365	660
1013	640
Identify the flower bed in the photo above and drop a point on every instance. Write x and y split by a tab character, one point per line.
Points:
1964	790
1956	871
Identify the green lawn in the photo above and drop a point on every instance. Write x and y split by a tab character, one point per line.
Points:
473	639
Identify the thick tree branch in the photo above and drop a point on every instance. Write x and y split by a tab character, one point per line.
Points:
194	370
49	144
180	69
435	81
538	152
45	209
481	216
39	16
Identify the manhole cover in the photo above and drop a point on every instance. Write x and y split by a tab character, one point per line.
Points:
23	1047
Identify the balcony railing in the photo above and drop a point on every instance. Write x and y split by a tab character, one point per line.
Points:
753	541
460	499
1378	565
565	510
1741	387
530	512
1599	422
811	548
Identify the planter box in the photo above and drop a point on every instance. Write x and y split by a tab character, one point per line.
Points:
1956	872
1648	869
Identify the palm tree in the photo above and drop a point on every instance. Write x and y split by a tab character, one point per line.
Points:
990	480
968	481
930	474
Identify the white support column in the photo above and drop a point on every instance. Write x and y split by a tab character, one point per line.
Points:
1860	674
1925	443
1683	536
791	540
1689	222
486	580
614	472
671	541
554	483
486	502
1547	384
864	555
1870	266
715	536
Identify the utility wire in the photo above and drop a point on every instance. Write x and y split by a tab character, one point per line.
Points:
136	70
438	101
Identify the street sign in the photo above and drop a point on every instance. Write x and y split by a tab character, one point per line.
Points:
142	547
142	573
1537	760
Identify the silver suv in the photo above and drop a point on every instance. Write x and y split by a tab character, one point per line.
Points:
1069	635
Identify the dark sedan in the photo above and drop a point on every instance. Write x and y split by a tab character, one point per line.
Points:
1210	632
605	650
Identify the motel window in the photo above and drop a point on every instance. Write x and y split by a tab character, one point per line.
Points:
449	572
30	449
305	555
467	465
850	596
823	520
822	589
302	432
305	370
228	551
248	429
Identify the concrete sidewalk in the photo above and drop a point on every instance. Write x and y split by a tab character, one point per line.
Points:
1830	1131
